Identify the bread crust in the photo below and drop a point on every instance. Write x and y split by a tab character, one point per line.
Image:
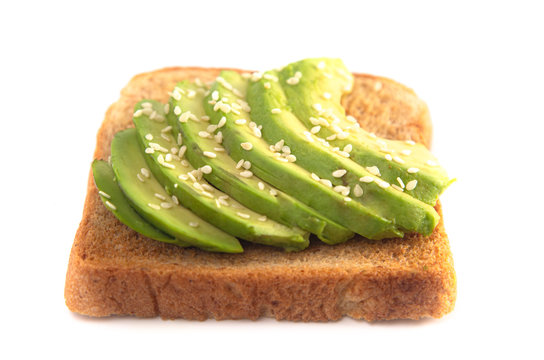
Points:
115	271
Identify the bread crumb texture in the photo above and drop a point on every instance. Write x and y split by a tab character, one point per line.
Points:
115	271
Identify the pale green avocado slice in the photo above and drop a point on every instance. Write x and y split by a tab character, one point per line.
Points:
236	179
315	99
270	108
165	157
154	203
285	175
115	201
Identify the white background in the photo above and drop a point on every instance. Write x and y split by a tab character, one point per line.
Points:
478	65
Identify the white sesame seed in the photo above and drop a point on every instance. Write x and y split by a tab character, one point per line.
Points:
154	206
273	192
166	108
193	224
166	129
331	137
378	86
243	215
262	218
240	164
291	158
431	163
317	107
279	145
240	121
215	95
246	165
166	205
183	177
138	113
208	187
339	173
315	129
246	146
292	81
159	196
406	152
314	121
166	137
184	162
211	128
260	185
224	108
149	150
209	154
270	77
257	132
206	169
191	94
184	117
140	177
146	105
388	157
218	137
179	140
205	118
176	95
398	159
222	122
106	195
315	177
357	190
110	205
326	95
217	203
198	185
396	187
347	199
149	137
413	170
342	135
182	151
326	182
348	148
366	179
282	159
177	110
343	153
191	176
175	199
204	134
246	174
373	170
410	142
308	136
382	184
298	74
275	111
411	185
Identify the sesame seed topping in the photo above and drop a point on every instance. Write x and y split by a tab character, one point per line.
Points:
292	81
326	95
315	129
177	110
149	137
398	159
315	177
382	184
209	154
291	158
183	177
396	187
165	137
159	196
182	151
343	153
326	182
175	199
308	136
179	140
206	169
260	185
406	152
218	137
149	150
222	122
106	195
166	129
166	205
331	137
154	206
347	199
240	121
243	215
317	107
110	205
411	185
138	113
373	170
140	177
198	186
193	224
357	190
262	218
166	108
413	170
246	146
273	192
246	165
366	179
184	162
410	142
205	118
184	117
388	157
240	163
348	148
257	132
246	174
275	111
339	173
146	105
204	134
279	145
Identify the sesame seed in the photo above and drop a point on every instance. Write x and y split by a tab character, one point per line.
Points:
206	169
159	196
260	185
191	94
149	137
347	199
182	151
209	154
184	117
382	184
373	170
348	148
165	137
257	132
175	199
106	195
267	85
217	203
166	129
308	136
388	157
243	215
154	206
366	179
183	177
262	218
411	185
166	205
224	108
413	170
193	224
158	147
291	158
246	165
198	186
314	121
396	187
218	137
339	173
166	108
149	150
378	86
246	146
326	182
270	77
273	192
317	107
222	122
279	145
298	74
179	140
401	183
140	177
215	95
191	176
315	177
406	152
357	190
351	119
275	111
292	81
431	163
146	105
342	135
240	164
398	159
204	134
326	96
240	121
185	163
138	113
410	142
176	95
208	187
315	129
282	159
205	118
211	128
177	110
343	153
246	174
331	137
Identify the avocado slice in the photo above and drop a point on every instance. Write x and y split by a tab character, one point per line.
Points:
165	157
314	98
277	170
153	203
235	178
115	201
269	108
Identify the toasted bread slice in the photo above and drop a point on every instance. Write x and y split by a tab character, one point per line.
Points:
115	271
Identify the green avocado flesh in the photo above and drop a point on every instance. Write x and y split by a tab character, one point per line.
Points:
195	193
156	205
285	175
118	204
269	158
316	101
236	179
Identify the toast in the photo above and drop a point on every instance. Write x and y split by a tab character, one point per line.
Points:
115	271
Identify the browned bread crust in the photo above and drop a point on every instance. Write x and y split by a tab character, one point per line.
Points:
115	271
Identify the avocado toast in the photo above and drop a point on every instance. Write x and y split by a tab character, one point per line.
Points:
262	281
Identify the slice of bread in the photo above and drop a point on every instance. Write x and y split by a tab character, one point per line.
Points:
115	271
